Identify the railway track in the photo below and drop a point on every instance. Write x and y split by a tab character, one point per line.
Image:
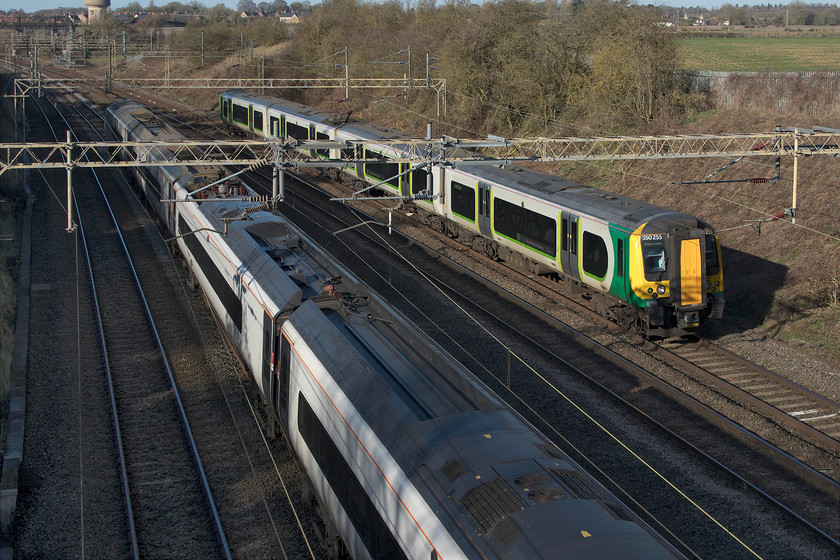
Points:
804	408
168	503
799	509
686	366
802	411
259	509
799	411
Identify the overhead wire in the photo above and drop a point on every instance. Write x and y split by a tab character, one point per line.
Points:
553	387
539	375
382	99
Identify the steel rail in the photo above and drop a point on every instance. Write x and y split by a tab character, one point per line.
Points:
675	393
193	447
132	529
736	376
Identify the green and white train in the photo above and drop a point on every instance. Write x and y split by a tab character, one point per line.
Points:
650	269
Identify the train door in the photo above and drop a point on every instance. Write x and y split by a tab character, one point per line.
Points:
251	118
687	267
282	380
420	180
621	265
483	218
312	136
268	355
569	245
225	110
275	126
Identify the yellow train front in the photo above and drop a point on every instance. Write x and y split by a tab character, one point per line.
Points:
675	276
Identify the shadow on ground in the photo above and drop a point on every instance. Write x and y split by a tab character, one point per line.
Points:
751	283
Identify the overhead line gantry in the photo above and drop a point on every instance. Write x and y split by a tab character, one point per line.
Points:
288	153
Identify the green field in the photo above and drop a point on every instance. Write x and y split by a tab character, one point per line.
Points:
756	54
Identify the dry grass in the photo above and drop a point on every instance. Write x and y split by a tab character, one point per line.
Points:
8	301
11	193
781	281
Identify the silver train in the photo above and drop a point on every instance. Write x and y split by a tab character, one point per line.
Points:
409	455
653	270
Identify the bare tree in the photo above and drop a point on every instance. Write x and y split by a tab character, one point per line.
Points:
733	14
246	6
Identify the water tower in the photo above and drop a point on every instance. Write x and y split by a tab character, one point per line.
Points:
96	8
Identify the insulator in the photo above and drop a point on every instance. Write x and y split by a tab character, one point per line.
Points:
759	180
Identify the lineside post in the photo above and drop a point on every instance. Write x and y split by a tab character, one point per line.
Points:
795	173
71	227
278	178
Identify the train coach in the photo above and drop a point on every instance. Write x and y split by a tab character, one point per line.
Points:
653	270
408	454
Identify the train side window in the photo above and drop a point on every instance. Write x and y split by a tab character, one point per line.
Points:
419	181
296	131
268	343
375	535
564	235
240	114
463	201
619	259
258	121
230	301
594	255
283	376
530	228
382	170
324	153
225	110
274	126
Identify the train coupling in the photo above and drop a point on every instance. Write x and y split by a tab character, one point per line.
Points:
689	319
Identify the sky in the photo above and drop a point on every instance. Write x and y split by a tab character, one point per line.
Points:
35	5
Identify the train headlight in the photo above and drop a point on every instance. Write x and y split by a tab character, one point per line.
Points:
660	289
714	289
708	284
717	283
650	290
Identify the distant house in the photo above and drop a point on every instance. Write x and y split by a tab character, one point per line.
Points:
286	17
16	18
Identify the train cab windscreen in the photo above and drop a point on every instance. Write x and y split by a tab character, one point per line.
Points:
654	257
